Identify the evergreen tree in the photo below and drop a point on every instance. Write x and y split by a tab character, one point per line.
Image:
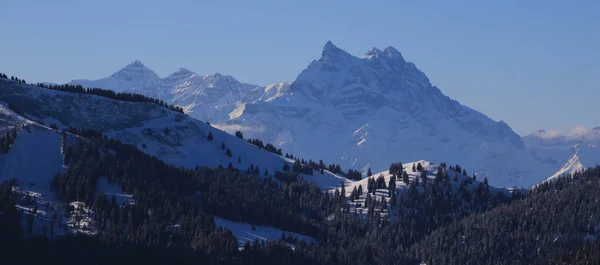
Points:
343	192
419	167
239	134
210	136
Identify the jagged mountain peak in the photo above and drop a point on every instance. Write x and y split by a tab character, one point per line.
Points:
220	78
136	63
135	71
181	73
333	53
387	53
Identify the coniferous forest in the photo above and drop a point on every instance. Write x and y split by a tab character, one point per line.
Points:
171	221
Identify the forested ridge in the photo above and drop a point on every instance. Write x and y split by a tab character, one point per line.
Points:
557	218
131	97
174	208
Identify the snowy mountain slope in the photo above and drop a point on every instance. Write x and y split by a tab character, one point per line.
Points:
32	162
35	158
374	110
205	97
575	151
172	137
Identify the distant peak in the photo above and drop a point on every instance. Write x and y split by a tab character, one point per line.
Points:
183	71
133	71
217	77
136	63
333	53
329	45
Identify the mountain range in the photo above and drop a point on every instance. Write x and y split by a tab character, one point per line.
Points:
364	112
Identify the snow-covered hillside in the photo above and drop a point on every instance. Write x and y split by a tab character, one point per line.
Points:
171	136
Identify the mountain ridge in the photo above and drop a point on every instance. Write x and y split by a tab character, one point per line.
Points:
370	110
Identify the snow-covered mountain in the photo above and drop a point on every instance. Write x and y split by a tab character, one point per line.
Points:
133	78
378	109
208	97
360	112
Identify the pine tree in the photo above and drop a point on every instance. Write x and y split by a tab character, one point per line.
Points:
369	173
228	152
239	134
419	167
414	169
392	186
210	136
354	194
405	178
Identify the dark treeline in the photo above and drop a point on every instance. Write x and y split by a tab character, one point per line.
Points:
554	220
129	240
177	196
131	97
7	139
294	206
228	193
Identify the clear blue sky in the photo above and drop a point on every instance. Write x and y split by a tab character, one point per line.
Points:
534	64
